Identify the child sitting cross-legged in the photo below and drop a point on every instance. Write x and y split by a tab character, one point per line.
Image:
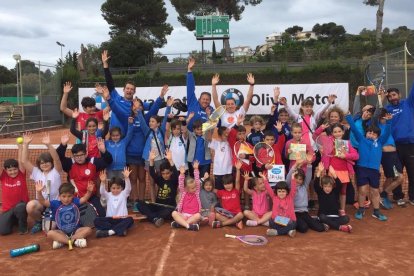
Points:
260	213
188	208
66	197
230	201
116	221
167	182
328	190
208	199
283	219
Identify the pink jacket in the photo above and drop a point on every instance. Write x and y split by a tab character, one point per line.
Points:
183	192
283	207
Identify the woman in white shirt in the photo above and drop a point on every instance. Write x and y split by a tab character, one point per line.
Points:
229	117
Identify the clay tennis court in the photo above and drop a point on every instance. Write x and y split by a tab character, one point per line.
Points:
374	248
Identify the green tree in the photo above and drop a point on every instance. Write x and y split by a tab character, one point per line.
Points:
293	30
6	75
145	19
128	50
379	19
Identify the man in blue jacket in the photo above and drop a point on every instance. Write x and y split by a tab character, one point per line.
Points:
200	106
402	127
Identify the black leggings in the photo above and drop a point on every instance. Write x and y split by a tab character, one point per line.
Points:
334	222
406	155
304	221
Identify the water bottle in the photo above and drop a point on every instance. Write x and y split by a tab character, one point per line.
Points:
24	250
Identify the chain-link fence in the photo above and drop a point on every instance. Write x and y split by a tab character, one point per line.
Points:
399	67
35	96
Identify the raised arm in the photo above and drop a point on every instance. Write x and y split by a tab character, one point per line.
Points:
27	139
387	131
78	134
238	166
126	174
214	81
19	158
143	124
103	180
247	102
89	191
67	87
106	158
292	113
39	188
357	100
354	130
331	100
181	179
108	76
246	183
56	161
61	151
191	98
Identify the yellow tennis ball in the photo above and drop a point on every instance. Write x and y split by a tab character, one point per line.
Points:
19	140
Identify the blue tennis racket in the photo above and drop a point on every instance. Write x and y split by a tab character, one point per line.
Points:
67	220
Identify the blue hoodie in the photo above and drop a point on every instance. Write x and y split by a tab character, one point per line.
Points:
193	104
370	151
402	126
149	134
136	146
118	150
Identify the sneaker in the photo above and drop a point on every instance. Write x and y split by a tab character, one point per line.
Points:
37	227
359	214
326	226
411	201
175	224
379	216
271	232
81	243
158	222
401	203
292	233
57	245
345	228
216	224
193	227
250	222
342	213
385	203
102	233
367	203
239	225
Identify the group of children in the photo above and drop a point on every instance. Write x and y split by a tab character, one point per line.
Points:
178	155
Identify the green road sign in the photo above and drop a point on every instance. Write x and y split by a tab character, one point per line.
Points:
212	27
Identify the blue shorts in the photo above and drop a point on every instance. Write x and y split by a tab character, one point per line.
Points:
368	176
388	161
135	160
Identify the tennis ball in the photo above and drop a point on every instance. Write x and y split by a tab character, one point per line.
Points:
19	140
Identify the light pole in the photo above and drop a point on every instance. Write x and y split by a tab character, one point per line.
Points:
18	59
61	54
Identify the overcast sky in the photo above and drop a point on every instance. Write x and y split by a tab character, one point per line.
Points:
32	27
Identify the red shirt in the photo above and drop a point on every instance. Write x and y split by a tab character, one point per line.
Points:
81	120
14	190
92	149
230	200
82	174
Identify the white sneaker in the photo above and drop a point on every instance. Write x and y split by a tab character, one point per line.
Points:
57	245
271	232
81	243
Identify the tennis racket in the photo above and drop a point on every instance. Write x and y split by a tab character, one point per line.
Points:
409	47
325	145
224	212
67	220
249	239
241	147
214	118
9	109
88	214
47	213
263	153
375	73
160	204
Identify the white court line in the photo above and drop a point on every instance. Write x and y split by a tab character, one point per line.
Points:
165	254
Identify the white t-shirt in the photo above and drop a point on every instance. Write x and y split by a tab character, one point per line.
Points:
230	119
55	181
116	205
222	157
178	150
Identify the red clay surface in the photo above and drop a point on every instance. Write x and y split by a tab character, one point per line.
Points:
374	248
